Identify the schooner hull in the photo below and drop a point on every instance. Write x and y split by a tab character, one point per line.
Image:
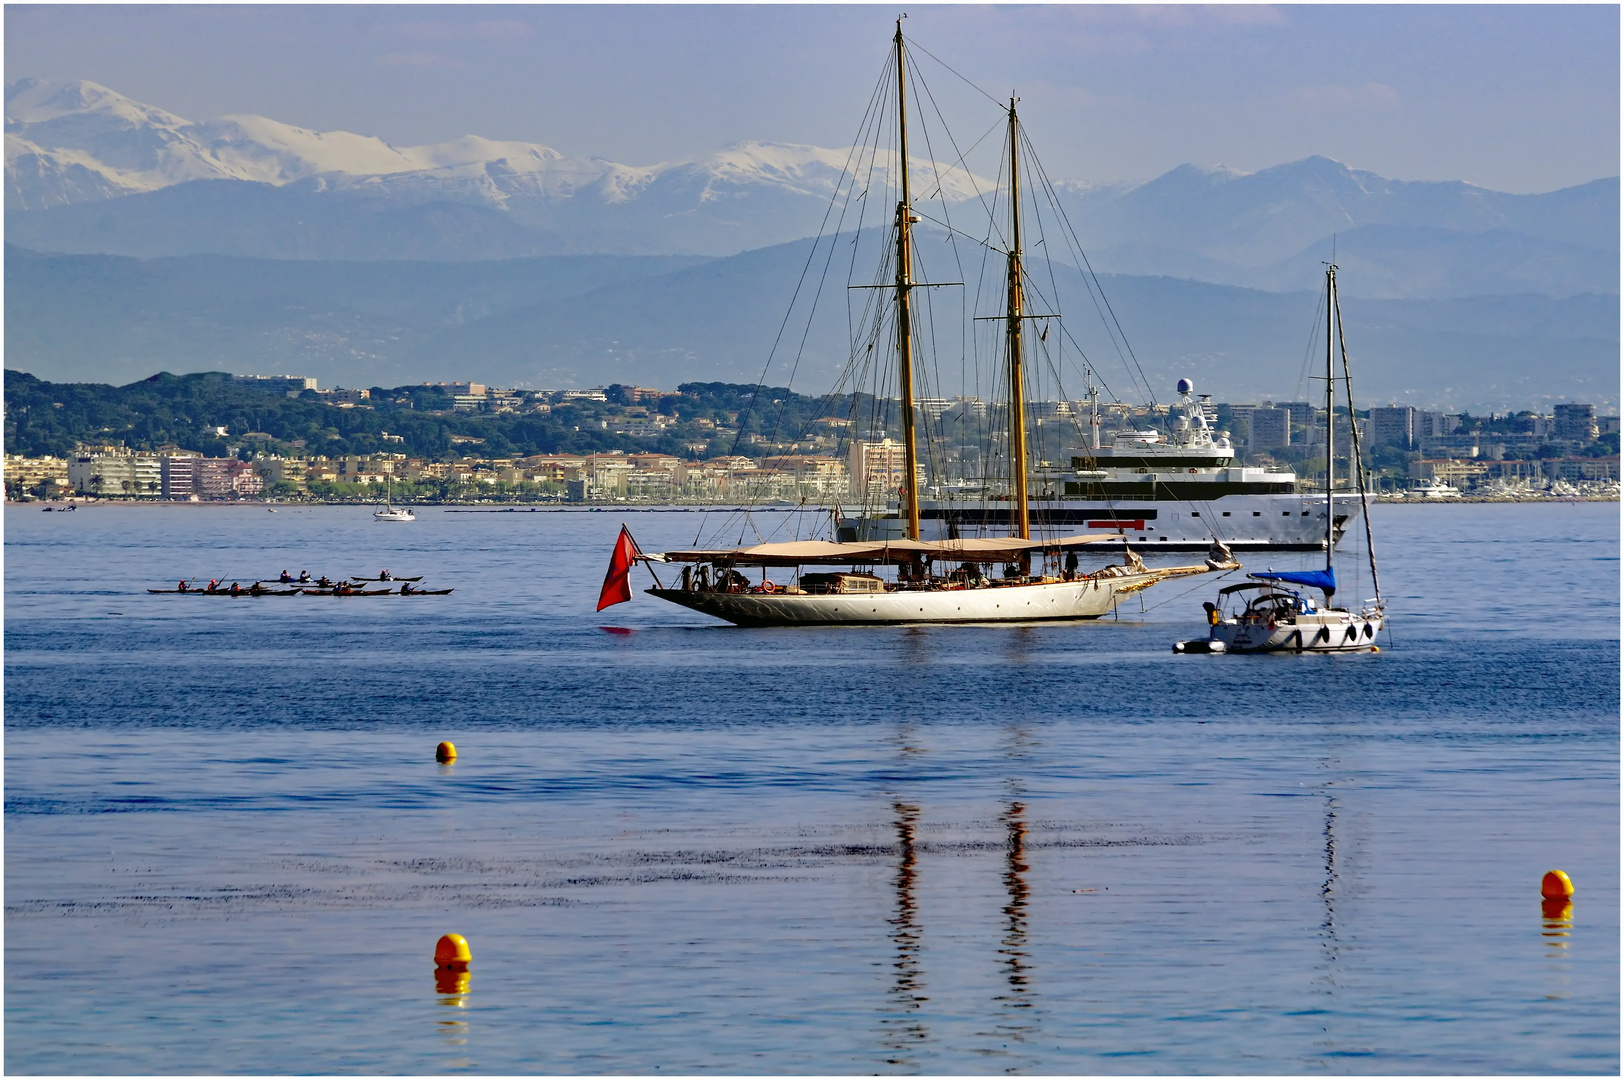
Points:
1061	600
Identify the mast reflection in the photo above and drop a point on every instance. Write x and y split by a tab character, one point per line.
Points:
1014	944
1330	944
904	1028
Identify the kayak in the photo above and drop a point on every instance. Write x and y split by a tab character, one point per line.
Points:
224	592
426	592
419	577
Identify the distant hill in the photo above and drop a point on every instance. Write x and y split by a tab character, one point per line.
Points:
566	321
91	171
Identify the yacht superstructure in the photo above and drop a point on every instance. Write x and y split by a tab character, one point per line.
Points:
1177	490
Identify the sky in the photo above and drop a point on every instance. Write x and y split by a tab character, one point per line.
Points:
1514	98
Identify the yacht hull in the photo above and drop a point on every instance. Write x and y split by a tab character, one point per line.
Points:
1060	600
1243	522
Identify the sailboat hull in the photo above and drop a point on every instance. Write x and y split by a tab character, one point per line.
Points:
1060	600
1321	632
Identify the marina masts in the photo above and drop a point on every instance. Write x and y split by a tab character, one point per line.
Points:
905	219
1020	513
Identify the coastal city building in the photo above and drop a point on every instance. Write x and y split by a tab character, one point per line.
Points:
1270	428
1574	421
877	470
672	448
44	476
1393	425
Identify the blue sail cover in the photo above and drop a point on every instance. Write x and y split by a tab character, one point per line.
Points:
1315	579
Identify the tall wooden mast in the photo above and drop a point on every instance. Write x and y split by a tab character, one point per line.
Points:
1020	511
905	220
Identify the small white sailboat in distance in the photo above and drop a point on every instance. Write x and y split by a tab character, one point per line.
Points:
1275	618
390	512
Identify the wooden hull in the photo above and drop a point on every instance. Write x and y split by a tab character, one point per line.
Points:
1060	600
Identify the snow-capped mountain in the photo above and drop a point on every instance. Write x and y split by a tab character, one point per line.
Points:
71	142
89	170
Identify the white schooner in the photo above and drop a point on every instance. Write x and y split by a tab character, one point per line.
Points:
902	578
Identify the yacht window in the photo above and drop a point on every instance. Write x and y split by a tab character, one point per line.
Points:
1305	513
1257	513
1226	513
1285	513
1195	513
1161	538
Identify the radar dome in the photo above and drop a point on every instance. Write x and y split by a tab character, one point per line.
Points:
1185	386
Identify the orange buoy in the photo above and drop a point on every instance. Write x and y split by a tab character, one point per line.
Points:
451	951
1556	885
445	753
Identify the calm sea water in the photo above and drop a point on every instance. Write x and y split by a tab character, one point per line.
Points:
678	846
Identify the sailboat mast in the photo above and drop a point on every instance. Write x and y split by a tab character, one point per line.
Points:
1330	410
905	220
1020	515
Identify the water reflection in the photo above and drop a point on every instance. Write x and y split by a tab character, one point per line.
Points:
1330	940
1556	927
904	1029
916	646
451	984
1019	643
1013	947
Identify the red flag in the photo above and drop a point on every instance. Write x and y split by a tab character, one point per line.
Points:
617	586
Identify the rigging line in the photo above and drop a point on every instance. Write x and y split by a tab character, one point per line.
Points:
1193	588
1303	377
800	352
1358	455
1096	293
1075	245
922	90
951	229
811	255
948	131
915	45
1065	219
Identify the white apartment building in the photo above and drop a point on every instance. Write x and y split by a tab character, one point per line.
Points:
116	472
878	470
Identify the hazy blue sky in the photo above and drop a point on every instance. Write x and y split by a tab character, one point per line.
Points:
1521	98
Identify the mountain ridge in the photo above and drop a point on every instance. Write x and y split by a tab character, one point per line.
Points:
89	170
588	320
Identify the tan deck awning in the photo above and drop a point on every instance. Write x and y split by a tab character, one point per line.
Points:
827	552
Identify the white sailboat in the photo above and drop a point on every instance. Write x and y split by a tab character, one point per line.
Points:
905	578
390	512
1270	616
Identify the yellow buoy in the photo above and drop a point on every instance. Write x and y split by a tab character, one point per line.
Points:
445	753
451	951
1556	885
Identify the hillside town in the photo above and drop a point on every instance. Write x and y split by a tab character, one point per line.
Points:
683	447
